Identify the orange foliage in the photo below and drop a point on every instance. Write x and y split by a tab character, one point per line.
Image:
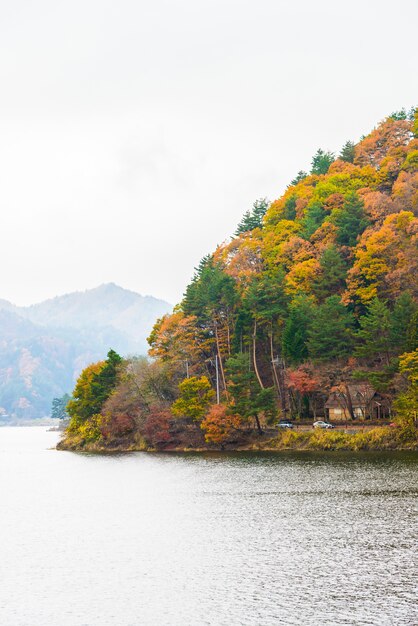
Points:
388	135
218	424
386	260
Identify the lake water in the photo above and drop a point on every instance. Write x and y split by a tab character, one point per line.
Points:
190	540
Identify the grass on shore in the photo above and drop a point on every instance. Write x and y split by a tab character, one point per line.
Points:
379	438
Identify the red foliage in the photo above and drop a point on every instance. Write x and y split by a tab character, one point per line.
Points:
156	428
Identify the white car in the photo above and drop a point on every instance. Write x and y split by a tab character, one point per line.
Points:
321	424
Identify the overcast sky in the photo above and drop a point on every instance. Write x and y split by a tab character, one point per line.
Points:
134	134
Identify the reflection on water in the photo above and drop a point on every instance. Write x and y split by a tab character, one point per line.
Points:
257	540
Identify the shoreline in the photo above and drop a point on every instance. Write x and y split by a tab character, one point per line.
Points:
380	439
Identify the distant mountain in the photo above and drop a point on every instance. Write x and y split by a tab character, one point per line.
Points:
43	347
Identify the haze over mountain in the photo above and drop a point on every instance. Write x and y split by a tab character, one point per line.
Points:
44	346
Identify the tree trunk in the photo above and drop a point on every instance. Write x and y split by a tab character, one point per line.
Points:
255	355
221	367
257	421
349	402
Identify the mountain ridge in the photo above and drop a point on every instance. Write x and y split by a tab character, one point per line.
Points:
45	345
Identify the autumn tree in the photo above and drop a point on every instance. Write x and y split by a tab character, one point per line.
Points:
196	394
219	423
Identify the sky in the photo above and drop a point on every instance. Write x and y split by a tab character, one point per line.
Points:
135	134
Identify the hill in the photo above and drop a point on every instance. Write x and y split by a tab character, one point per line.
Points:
46	345
310	309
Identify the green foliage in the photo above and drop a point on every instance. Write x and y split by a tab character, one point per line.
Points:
196	395
314	217
330	332
210	290
254	218
374	335
295	332
350	220
249	399
404	324
347	152
331	279
94	385
59	407
321	162
301	175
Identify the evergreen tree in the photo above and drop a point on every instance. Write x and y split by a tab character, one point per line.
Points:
321	162
350	220
331	280
404	326
301	175
330	332
315	215
347	152
374	335
254	218
249	400
295	332
59	407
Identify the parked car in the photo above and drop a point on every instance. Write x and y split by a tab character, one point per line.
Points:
285	424
321	424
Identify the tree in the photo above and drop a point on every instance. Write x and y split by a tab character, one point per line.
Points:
347	152
321	162
315	215
404	324
219	423
254	218
249	399
406	404
331	278
295	332
156	429
350	220
196	394
94	386
391	133
386	260
59	407
374	335
303	384
301	175
330	331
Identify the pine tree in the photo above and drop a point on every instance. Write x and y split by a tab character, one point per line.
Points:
321	162
301	175
331	280
254	218
347	152
295	332
374	335
350	220
330	332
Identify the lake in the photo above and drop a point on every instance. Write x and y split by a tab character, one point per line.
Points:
210	539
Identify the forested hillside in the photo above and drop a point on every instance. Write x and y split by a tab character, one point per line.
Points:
315	292
45	346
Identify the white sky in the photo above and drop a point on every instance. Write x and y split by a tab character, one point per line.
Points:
134	134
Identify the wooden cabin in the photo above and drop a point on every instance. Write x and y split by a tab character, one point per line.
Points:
364	401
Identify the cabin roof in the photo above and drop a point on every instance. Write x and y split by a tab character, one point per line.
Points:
361	394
